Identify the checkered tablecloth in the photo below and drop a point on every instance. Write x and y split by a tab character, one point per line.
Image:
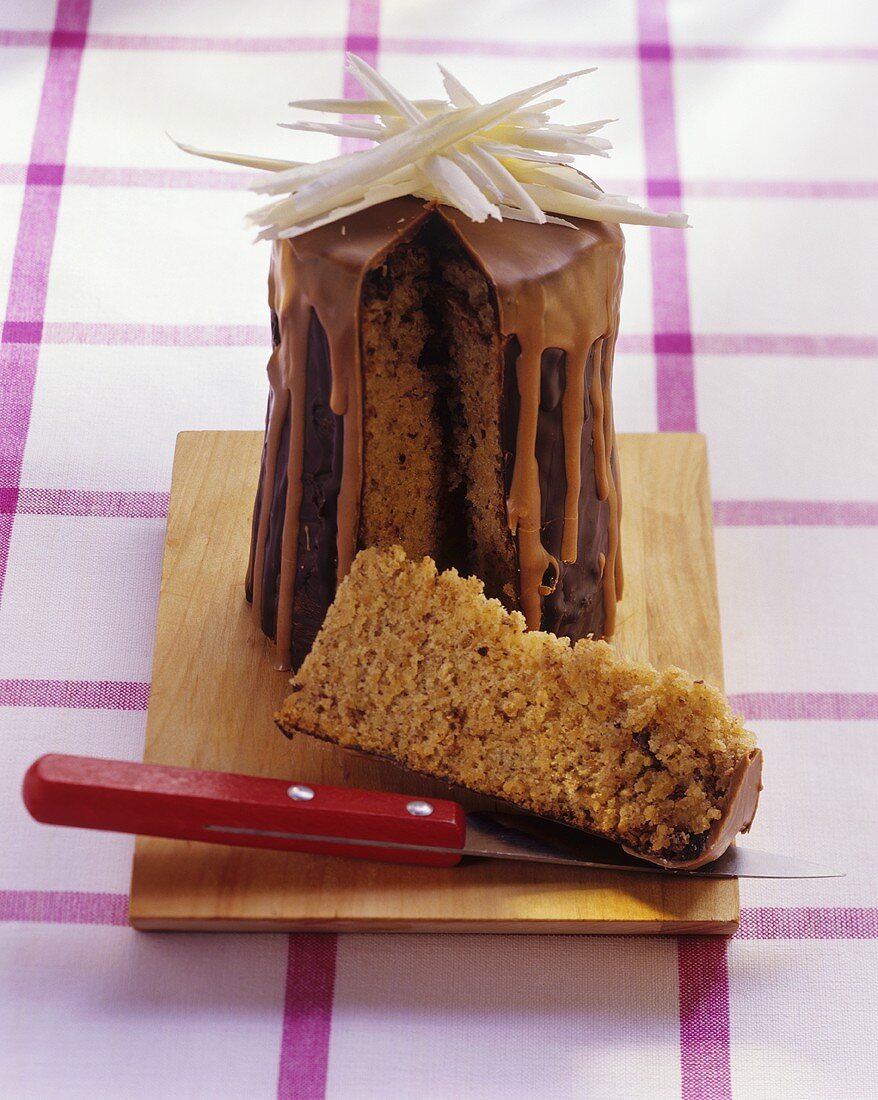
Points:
135	307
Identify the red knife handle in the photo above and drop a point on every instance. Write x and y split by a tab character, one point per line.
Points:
219	808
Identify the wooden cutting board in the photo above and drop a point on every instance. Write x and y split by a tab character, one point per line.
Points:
215	687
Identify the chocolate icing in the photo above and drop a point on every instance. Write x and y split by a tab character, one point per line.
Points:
557	295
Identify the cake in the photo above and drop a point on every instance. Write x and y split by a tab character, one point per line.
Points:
418	666
444	310
435	541
443	385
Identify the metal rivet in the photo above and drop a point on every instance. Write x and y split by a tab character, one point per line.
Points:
419	809
299	793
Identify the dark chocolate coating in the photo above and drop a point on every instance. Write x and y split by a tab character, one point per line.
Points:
277	505
321	477
257	507
556	293
575	609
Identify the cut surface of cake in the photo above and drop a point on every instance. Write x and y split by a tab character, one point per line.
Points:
418	666
444	385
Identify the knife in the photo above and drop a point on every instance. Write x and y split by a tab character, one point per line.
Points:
246	811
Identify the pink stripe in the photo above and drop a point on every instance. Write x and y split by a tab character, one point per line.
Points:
178	336
782	343
304	1051
795	513
6	521
25	38
810	923
33	252
791	706
433	46
622	51
59	87
78	694
199	179
632	343
63	907
412	46
186	43
782	189
84	502
34	243
364	19
204	44
18	373
705	1061
675	370
196	179
776	53
13	173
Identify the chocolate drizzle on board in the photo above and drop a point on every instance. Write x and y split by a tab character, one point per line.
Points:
557	295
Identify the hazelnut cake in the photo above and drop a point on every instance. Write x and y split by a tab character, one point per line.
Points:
418	666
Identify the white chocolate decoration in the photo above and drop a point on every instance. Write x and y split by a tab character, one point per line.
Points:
503	159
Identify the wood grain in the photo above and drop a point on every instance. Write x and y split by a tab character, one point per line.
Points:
215	687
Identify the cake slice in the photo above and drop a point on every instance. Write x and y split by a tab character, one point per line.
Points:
419	667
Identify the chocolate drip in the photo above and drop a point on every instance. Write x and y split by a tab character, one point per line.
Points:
575	607
557	293
510	410
566	299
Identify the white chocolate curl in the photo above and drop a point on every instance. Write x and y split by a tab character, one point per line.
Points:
504	159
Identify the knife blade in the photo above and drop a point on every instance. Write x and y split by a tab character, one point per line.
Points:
246	811
527	838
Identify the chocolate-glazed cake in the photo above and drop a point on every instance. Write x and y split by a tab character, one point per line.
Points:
444	385
444	311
